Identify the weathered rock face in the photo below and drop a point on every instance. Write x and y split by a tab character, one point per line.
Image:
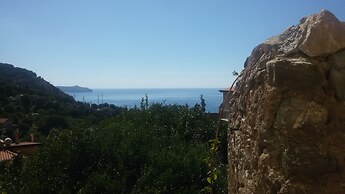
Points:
287	121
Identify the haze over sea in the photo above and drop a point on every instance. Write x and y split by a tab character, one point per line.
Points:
132	97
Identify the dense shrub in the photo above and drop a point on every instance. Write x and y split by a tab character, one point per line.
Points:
159	149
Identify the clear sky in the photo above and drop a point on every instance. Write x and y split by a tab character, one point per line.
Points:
144	43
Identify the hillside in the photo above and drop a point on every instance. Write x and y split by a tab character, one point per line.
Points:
33	105
15	80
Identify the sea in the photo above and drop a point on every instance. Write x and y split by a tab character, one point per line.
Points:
132	97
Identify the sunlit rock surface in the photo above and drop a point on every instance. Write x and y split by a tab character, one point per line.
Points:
287	121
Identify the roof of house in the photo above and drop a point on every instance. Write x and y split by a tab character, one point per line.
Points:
227	89
6	155
25	144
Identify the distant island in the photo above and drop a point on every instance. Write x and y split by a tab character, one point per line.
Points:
74	89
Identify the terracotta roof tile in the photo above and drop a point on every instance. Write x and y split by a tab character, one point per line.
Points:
6	155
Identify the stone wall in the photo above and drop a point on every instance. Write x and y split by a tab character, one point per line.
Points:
287	121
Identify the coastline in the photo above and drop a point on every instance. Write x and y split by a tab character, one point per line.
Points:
131	97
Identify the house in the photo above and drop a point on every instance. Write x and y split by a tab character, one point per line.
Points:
24	148
224	108
8	149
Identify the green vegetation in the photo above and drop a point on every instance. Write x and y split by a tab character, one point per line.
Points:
156	148
35	106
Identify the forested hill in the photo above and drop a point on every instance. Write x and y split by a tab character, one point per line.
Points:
34	105
16	81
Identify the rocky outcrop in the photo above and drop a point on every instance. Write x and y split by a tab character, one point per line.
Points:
287	121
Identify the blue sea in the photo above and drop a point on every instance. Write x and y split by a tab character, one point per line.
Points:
132	97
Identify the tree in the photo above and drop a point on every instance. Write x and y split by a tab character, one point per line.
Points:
48	123
157	150
202	103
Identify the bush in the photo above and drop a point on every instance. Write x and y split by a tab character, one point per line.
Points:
47	123
159	149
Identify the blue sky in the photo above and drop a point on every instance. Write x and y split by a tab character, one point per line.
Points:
144	43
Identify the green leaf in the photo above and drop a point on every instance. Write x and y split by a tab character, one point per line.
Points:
215	177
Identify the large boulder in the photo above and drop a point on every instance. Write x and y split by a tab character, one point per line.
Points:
324	34
294	73
287	116
317	35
